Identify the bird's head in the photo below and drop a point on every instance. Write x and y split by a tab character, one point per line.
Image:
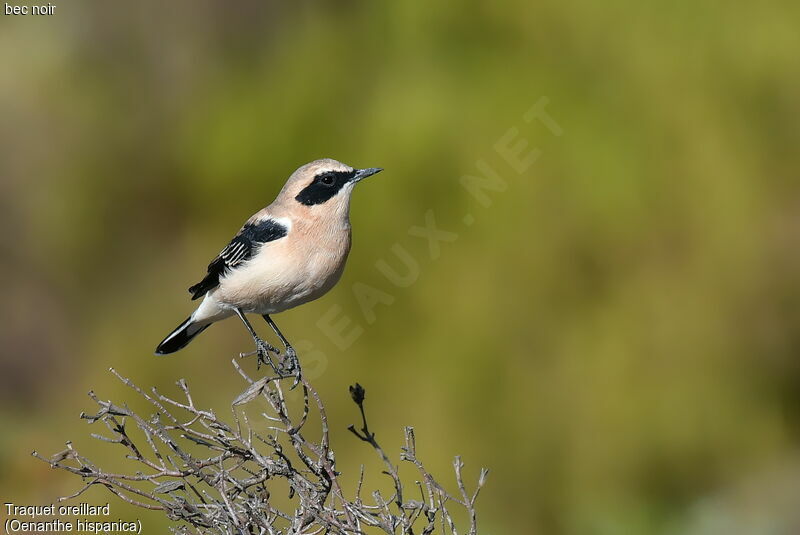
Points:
324	185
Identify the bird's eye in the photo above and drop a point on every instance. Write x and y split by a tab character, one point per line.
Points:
327	180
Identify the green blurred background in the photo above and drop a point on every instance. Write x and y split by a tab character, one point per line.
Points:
616	335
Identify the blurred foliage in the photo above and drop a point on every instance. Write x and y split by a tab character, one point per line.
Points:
616	336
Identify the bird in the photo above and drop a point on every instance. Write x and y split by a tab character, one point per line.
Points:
289	253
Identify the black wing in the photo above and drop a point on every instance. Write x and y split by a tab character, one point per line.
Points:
241	248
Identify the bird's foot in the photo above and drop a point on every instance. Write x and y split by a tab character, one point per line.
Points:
263	350
262	353
290	366
287	366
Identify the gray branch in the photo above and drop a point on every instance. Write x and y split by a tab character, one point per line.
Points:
216	477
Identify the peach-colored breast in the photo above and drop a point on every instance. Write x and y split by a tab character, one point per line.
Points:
290	271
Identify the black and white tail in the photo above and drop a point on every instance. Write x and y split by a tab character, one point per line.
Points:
180	337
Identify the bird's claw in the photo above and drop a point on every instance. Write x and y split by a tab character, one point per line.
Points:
290	366
263	349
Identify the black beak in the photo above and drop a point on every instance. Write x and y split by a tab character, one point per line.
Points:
361	174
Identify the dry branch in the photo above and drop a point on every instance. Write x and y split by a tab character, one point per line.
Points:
216	477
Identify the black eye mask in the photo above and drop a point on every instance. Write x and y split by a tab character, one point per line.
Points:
324	186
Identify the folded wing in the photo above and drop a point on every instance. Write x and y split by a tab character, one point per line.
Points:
241	248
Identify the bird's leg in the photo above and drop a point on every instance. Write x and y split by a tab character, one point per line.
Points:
262	348
290	352
289	362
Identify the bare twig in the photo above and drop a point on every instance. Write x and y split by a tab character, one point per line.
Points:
216	477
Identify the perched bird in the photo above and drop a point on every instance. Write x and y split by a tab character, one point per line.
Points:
289	253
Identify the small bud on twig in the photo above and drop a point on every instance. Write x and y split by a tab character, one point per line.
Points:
358	393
